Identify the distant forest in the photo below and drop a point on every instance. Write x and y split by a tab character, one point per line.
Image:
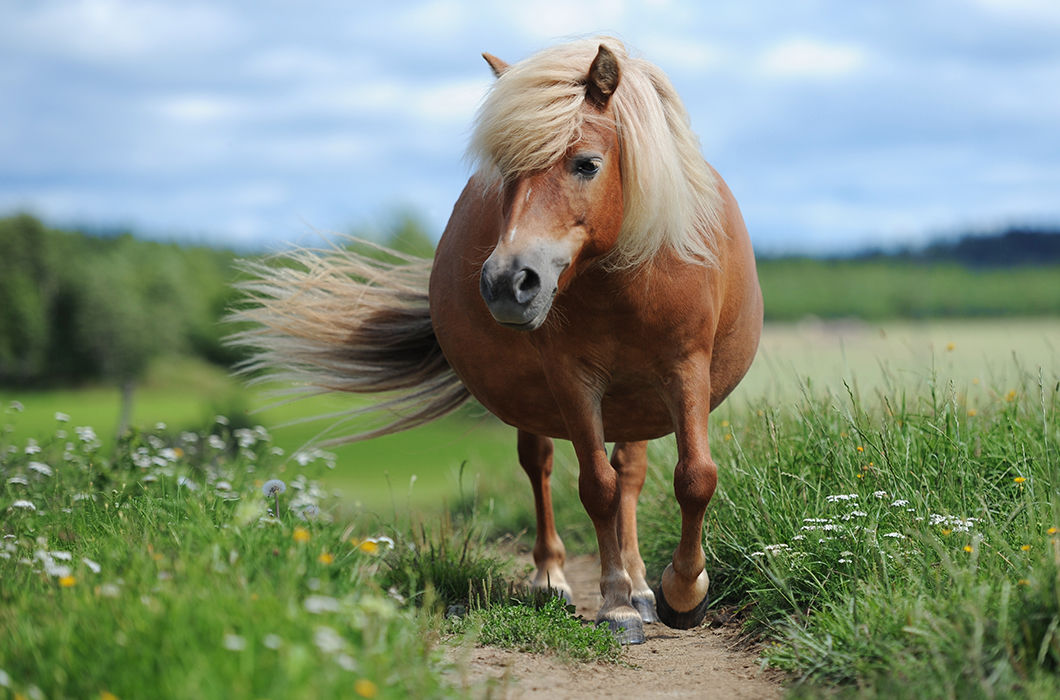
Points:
76	307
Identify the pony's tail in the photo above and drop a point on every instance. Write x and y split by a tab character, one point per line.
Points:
352	319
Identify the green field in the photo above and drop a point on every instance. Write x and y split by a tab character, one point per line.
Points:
887	521
183	394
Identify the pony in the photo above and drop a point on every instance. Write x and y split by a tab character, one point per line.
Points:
595	283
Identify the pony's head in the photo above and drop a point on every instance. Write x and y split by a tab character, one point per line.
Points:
591	153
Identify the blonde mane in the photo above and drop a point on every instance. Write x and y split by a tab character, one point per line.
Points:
535	111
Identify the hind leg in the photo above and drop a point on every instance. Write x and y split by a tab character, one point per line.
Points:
535	457
630	460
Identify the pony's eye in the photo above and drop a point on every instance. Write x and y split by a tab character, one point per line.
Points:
587	167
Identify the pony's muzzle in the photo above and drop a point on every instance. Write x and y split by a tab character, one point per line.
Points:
514	292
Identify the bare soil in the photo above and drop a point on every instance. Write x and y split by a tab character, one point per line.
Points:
707	662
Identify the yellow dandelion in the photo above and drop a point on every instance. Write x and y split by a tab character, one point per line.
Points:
950	347
301	535
1020	479
975	380
365	688
860	475
972	413
67	581
1023	582
1010	396
178	452
107	695
728	436
946	531
967	547
368	546
325	558
1026	548
725	424
860	448
1051	531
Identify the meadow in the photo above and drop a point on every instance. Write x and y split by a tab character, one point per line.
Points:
886	522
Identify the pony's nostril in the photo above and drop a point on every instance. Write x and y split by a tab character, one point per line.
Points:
526	284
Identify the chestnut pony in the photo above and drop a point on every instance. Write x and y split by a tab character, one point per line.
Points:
595	283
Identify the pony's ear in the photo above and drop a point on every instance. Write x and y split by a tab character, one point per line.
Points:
496	65
603	77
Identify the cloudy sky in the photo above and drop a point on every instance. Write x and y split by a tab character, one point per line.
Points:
837	124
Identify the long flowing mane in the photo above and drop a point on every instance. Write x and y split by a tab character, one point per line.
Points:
535	111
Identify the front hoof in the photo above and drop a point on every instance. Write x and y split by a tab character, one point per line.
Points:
626	631
680	620
645	605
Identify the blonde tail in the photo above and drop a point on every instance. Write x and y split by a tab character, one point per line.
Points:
343	320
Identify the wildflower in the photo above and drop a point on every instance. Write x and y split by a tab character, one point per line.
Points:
1010	396
325	558
880	494
91	564
67	581
309	512
187	483
24	505
950	347
365	688
16	407
109	590
220	420
1051	531
967	547
1020	479
841	497
107	695
899	503
1023	582
216	442
317	604
273	487
860	448
301	535
61	556
233	642
946	531
855	514
85	433
20	480
972	413
1026	548
368	546
32	447
775	548
272	641
895	535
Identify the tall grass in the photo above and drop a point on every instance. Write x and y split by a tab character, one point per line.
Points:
903	542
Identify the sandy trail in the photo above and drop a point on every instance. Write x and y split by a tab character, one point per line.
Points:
701	663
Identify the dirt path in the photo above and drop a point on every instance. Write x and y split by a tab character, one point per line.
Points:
699	663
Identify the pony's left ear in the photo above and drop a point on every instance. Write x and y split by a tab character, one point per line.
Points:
603	77
496	65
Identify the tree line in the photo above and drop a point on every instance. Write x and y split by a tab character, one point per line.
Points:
76	308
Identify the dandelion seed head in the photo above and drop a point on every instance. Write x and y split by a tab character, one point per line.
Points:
273	487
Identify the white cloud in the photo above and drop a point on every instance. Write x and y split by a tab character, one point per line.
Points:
112	30
811	58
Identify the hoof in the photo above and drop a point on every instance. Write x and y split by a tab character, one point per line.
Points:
629	631
680	620
645	605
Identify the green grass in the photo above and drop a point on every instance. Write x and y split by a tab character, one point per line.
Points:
163	569
903	541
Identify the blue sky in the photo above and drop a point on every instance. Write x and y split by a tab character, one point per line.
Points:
837	124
